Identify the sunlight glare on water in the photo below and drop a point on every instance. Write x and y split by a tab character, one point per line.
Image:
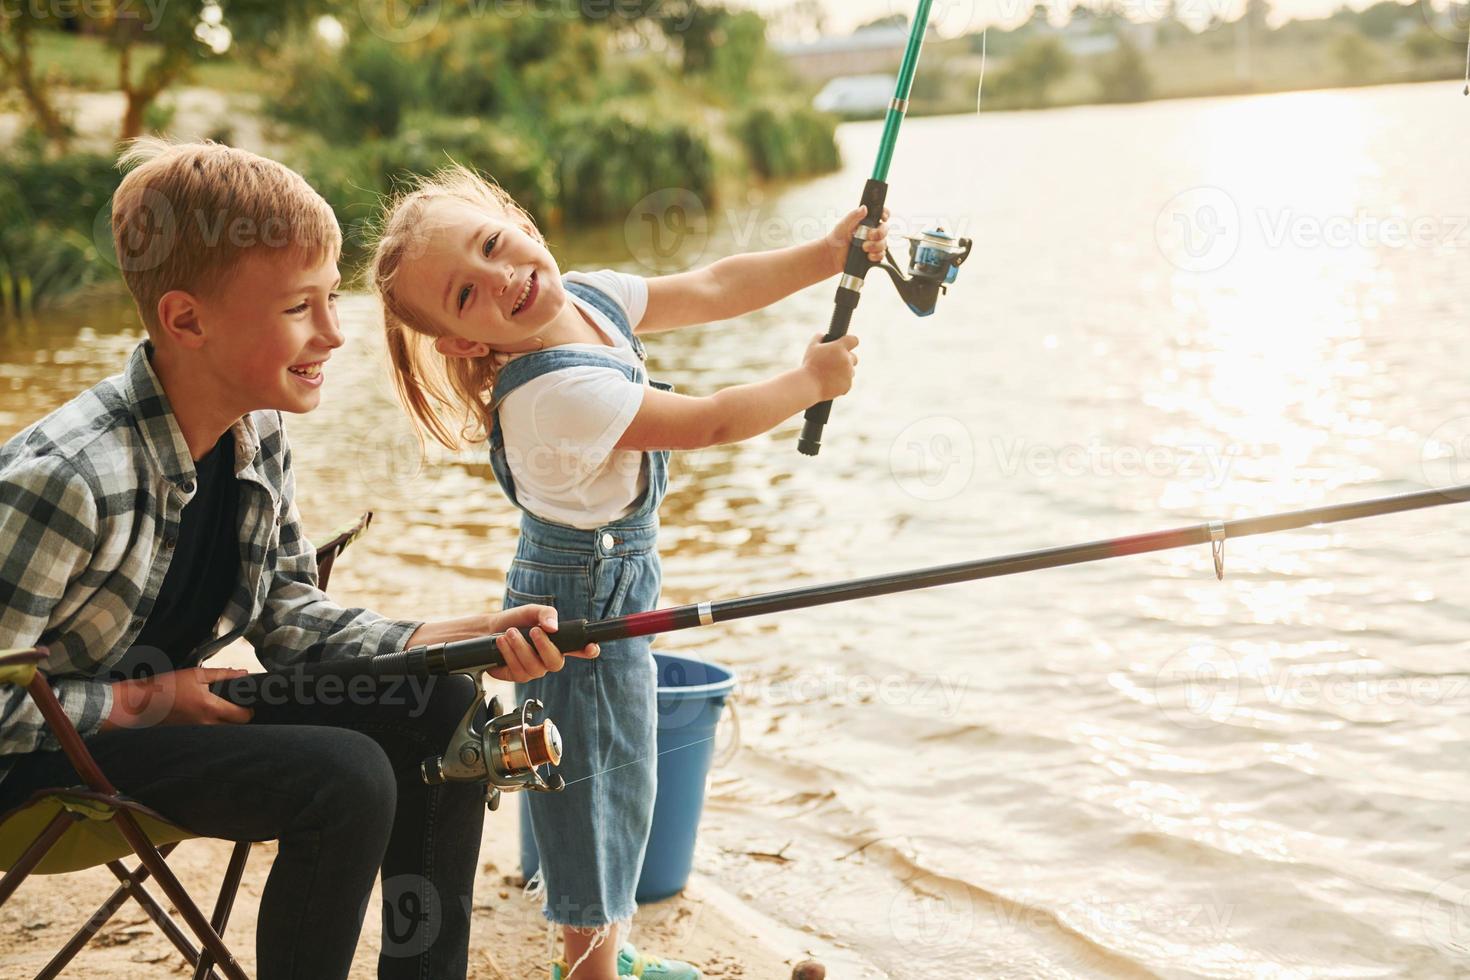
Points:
1174	312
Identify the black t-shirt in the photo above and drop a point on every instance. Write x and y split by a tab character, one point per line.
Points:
206	561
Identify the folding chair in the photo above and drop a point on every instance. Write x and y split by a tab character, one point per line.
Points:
68	829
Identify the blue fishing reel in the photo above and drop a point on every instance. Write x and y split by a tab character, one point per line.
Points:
934	262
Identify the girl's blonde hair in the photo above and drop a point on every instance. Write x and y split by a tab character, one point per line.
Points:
447	397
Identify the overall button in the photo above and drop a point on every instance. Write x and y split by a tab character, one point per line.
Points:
169	543
608	542
187	486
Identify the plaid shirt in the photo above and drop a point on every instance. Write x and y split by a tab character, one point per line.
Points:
90	501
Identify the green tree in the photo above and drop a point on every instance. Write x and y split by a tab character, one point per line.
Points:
1171	29
17	59
1256	14
1424	46
742	55
1381	19
697	28
1354	55
1122	75
892	20
1027	79
157	45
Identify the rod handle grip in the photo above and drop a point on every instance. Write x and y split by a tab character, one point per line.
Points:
875	196
481	653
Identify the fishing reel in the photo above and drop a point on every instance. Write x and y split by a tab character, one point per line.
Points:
506	754
934	262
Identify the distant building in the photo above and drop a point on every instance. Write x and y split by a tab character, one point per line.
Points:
856	95
873	49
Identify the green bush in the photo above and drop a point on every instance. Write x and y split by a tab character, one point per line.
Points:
609	158
787	140
523	67
353	179
48	212
361	91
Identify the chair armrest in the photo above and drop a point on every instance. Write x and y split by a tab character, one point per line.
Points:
19	666
326	553
22	667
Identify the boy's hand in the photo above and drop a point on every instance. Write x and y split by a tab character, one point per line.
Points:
178	697
841	236
832	364
523	661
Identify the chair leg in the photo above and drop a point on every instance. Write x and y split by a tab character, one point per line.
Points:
39	847
132	886
176	894
225	903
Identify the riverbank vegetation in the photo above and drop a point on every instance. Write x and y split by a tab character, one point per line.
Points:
579	110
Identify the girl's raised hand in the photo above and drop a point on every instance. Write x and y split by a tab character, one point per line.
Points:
838	240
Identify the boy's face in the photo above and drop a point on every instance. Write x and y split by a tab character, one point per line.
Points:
481	277
268	331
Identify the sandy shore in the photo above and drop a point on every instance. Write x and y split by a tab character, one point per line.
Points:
728	938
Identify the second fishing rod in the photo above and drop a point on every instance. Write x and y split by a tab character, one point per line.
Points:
473	656
934	256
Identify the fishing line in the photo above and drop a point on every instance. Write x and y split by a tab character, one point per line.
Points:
980	88
644	758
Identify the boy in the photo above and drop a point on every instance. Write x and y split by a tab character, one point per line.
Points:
153	517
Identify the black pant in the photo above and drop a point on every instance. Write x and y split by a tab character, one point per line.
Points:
334	776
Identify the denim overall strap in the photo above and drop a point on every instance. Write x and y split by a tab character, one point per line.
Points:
528	368
604	304
531	366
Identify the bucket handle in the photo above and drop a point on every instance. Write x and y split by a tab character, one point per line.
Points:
732	749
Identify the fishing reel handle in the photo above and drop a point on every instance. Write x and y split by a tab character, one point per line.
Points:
849	289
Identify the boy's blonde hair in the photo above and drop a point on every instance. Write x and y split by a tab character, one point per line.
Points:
186	214
431	385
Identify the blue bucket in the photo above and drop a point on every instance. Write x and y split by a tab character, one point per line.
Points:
691	695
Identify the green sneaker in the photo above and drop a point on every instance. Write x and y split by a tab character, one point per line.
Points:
559	970
645	967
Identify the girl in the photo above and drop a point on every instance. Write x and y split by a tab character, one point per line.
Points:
490	341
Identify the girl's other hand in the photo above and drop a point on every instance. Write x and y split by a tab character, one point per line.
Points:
832	364
841	236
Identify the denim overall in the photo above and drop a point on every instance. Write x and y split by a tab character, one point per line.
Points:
590	838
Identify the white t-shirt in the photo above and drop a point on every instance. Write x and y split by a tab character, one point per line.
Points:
560	428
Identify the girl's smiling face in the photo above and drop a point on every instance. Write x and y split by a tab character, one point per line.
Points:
481	277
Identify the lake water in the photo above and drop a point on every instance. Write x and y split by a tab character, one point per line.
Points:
1174	312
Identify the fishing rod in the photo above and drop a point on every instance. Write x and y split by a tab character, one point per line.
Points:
476	655
934	256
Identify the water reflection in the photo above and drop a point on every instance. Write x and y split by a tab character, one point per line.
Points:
1134	769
